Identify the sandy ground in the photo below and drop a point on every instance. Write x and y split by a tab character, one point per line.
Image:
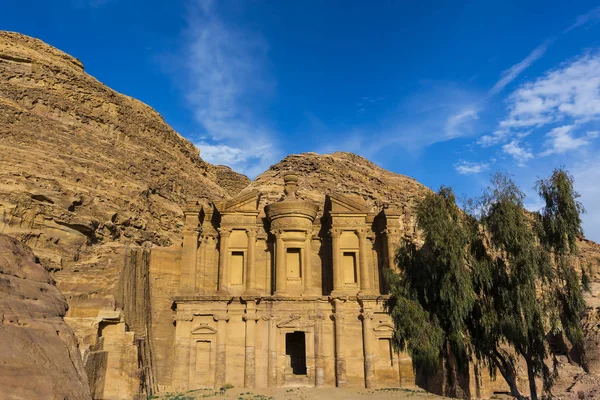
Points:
305	394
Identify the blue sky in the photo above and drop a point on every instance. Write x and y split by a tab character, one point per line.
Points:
443	91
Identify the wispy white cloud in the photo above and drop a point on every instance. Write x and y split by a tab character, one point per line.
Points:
438	112
592	15
456	123
562	101
225	78
519	152
468	167
560	140
513	72
570	91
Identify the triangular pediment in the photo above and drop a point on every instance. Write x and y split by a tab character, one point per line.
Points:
342	203
244	202
291	321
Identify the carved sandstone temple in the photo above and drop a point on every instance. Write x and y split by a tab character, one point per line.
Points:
290	293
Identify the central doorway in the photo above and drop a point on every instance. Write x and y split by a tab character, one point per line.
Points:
295	348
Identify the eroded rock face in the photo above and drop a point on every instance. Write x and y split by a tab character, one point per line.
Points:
230	180
86	171
590	260
39	355
88	177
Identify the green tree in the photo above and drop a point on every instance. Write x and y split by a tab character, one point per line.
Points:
497	279
559	228
432	297
515	301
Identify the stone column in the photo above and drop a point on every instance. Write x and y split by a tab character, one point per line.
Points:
366	284
221	357
188	270
272	355
202	243
340	358
366	317
319	356
338	278
251	262
280	270
191	228
307	264
390	249
250	351
183	332
224	260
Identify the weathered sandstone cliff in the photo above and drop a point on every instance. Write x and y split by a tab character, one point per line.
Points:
39	355
88	177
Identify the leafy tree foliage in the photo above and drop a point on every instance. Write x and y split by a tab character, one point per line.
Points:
491	284
558	231
431	296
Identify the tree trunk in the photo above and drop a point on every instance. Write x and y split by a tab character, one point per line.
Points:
508	373
531	376
512	383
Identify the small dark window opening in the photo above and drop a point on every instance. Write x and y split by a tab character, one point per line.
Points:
295	347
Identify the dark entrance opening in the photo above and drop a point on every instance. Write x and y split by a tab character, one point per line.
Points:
295	347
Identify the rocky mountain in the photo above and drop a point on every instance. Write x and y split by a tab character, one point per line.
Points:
39	355
86	171
341	172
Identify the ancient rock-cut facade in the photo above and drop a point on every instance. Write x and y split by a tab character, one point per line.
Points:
287	294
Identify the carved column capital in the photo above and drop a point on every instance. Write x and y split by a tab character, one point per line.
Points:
221	317
338	317
362	232
184	316
391	231
250	317
366	315
276	232
251	232
270	317
224	232
318	316
335	232
208	238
